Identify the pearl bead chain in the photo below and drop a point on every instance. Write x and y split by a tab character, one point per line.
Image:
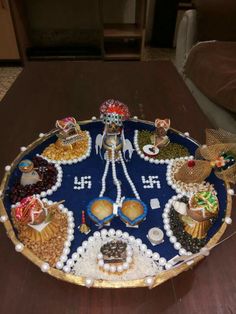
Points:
116	181
104	177
128	177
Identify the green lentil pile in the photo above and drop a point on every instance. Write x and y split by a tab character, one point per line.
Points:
172	150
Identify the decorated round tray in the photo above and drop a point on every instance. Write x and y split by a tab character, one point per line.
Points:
114	202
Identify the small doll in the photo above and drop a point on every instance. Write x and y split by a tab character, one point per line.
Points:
160	138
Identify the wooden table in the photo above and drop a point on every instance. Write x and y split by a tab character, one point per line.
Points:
46	91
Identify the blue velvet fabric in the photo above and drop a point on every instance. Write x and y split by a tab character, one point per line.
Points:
77	200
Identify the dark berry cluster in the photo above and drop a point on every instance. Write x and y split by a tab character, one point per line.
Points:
48	174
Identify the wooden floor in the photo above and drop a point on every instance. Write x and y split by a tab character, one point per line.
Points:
46	91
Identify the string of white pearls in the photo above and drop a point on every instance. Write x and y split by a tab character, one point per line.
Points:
104	177
75	160
116	181
167	227
128	177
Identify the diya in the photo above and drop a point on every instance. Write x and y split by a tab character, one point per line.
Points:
133	211
100	210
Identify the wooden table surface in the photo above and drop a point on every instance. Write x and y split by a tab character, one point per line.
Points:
46	91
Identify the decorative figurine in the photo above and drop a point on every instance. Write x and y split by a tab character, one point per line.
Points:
31	211
160	138
69	132
113	113
72	143
29	175
197	215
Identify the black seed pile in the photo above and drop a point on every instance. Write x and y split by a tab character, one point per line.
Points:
47	172
188	243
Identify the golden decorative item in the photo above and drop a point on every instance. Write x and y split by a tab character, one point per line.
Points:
203	206
57	151
101	210
83	227
133	211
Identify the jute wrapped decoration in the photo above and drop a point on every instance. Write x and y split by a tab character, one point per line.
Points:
219	153
194	171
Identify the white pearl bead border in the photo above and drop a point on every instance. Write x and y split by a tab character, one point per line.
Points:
75	160
177	188
70	235
113	234
152	160
128	177
168	231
